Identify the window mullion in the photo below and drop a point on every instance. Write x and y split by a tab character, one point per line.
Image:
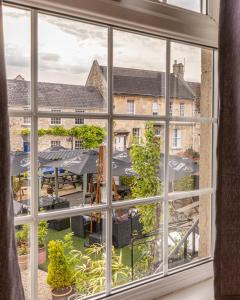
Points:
166	170
33	154
109	165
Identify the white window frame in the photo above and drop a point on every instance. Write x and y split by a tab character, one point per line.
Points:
176	138
155	109
80	146
136	133
56	120
79	120
172	23
130	106
55	143
182	109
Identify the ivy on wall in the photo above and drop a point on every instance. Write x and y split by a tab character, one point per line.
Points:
90	135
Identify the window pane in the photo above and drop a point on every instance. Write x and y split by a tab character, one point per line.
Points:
20	165
72	65
138	159
194	5
191	81
17	50
74	161
189	230
22	234
138	241
72	257
138	73
190	156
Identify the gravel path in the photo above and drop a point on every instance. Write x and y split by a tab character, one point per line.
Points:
44	292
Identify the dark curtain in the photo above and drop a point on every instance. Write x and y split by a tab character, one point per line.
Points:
10	278
227	250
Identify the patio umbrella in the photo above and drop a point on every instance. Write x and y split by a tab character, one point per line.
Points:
20	162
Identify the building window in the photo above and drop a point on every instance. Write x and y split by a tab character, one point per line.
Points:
182	109
155	108
79	121
136	135
177	139
55	144
78	145
160	244
27	120
157	132
56	120
131	107
170	109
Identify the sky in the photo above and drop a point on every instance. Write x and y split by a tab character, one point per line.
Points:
67	48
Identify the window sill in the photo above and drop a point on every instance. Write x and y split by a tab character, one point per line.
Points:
169	284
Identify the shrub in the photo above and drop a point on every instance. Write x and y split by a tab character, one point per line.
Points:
22	240
25	131
42	233
59	270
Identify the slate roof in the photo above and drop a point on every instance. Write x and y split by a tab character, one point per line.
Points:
55	95
152	83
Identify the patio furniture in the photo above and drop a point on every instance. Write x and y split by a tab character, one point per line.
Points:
80	225
95	238
59	224
121	233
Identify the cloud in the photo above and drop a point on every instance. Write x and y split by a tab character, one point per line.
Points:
16	57
51	57
15	13
79	30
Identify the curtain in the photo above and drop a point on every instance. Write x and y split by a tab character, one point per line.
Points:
10	278
227	249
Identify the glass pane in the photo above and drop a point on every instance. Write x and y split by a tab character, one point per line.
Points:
17	49
72	260
138	84
189	230
194	5
191	81
22	234
73	161
72	65
20	164
190	156
138	243
138	159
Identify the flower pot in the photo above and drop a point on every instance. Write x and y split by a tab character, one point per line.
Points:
42	255
62	294
23	261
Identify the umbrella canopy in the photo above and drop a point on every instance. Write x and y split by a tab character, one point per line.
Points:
20	162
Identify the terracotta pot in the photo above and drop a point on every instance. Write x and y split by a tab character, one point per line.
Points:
23	261
42	255
62	294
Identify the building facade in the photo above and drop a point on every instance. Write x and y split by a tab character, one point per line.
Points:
136	92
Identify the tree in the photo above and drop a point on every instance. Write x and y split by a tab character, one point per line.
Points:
145	159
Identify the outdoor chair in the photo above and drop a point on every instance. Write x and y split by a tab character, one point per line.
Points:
121	232
80	225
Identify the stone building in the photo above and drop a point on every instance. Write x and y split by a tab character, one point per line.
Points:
139	92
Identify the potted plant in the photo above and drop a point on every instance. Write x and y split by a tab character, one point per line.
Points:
59	271
22	246
42	233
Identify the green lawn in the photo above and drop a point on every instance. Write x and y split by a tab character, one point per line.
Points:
78	244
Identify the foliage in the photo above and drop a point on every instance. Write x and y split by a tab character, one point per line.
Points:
42	233
89	270
59	268
146	163
22	240
23	234
25	131
91	135
185	183
192	153
57	131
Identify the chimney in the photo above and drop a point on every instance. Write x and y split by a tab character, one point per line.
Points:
178	69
